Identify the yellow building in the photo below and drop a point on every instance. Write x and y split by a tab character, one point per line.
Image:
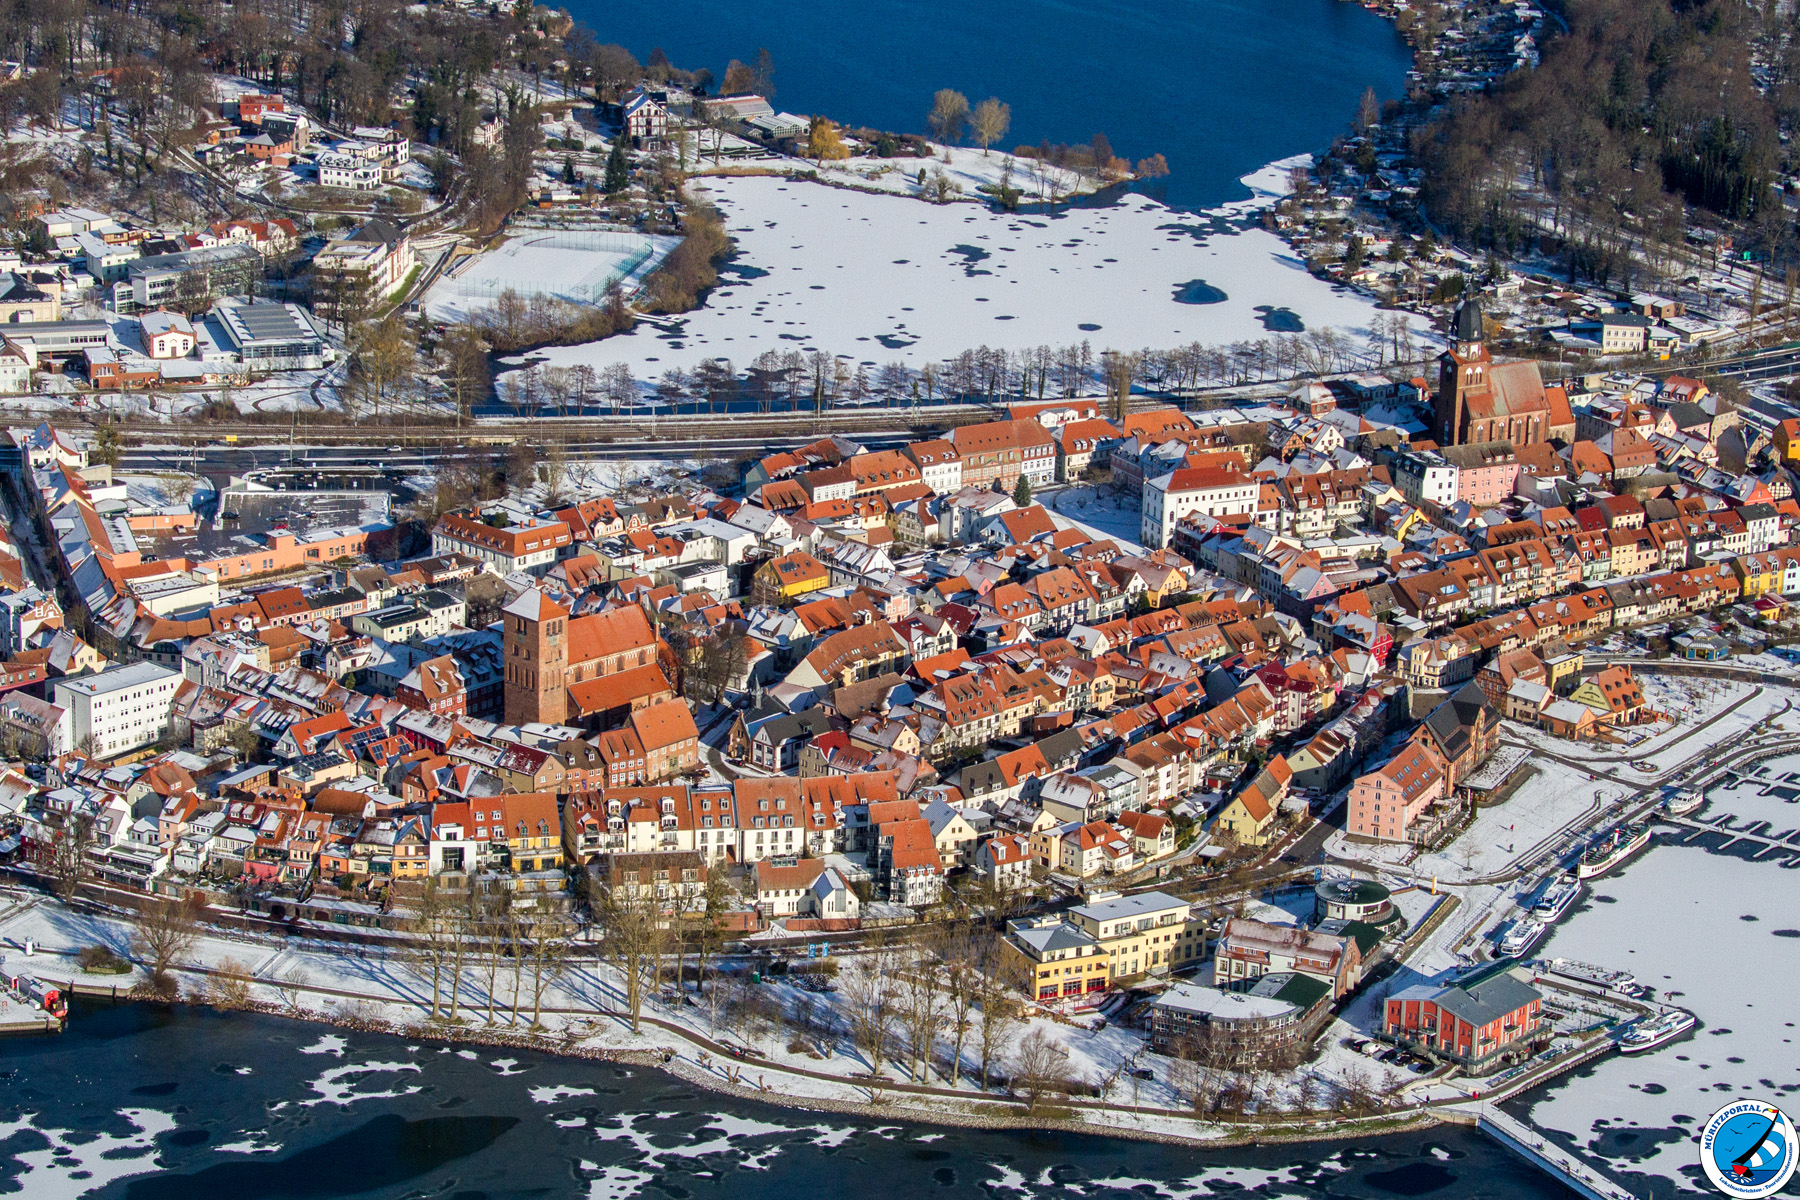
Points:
1787	439
1145	934
1757	573
1054	959
787	578
1251	814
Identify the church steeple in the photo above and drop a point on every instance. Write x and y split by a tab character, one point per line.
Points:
1462	374
1468	326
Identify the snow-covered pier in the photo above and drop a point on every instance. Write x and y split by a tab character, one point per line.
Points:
1530	1145
1785	843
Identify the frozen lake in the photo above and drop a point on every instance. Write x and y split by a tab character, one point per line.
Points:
151	1104
1720	937
883	279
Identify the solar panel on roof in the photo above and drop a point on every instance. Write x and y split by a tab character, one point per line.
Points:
268	320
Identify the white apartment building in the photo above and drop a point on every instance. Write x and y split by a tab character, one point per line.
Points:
119	709
349	171
1207	491
531	549
1426	478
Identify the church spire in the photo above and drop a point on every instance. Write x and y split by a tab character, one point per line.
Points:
1468	324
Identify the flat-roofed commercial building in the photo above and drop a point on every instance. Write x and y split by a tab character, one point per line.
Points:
274	337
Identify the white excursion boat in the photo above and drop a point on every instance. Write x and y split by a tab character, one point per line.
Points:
1525	933
1651	1032
1611	849
1556	898
1577	971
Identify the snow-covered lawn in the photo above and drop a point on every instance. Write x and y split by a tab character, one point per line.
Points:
886	278
966	167
1721	935
1554	797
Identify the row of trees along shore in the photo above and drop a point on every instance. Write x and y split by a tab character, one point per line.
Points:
944	1008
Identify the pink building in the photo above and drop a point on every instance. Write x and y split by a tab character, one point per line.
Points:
1388	803
1485	471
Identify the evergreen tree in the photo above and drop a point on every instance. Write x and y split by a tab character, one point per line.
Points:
569	169
1022	492
618	171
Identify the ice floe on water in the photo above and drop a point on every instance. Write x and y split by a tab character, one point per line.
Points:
256	1143
330	1043
885	278
719	1134
1714	933
339	1085
72	1163
558	1093
613	1183
507	1066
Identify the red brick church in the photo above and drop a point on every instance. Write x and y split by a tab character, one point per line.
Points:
1480	400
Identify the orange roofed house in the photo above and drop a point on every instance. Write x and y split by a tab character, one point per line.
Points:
660	742
1001	451
785	579
531	549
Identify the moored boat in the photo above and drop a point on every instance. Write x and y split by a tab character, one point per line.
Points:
1612	849
1576	971
1651	1032
1680	804
1525	933
1557	898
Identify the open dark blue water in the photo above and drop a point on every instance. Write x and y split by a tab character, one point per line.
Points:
1219	87
145	1104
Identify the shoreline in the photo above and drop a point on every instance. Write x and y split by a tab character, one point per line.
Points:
936	1111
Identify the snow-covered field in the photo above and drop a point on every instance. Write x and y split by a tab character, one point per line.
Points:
1722	937
967	168
887	278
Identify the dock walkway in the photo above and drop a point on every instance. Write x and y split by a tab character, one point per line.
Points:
1565	1167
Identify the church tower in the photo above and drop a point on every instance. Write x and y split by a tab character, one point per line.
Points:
537	634
1463	372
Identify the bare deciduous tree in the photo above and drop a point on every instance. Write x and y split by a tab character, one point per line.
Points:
162	932
1000	1015
949	115
1040	1065
921	1009
633	936
228	987
869	991
436	933
68	854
